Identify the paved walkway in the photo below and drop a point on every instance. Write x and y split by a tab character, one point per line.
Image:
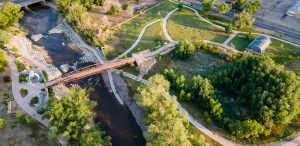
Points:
230	39
138	39
157	51
33	90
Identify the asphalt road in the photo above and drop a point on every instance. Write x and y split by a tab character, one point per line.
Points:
273	29
270	28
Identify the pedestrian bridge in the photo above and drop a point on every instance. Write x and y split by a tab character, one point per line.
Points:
25	3
89	71
144	59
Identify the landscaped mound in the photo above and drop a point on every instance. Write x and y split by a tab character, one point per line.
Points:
267	94
253	98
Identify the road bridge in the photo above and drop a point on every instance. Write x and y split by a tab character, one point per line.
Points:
25	3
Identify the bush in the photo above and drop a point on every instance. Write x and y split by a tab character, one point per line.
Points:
41	111
99	2
3	62
4	38
45	75
112	10
9	14
23	92
21	67
184	50
2	123
34	101
26	120
126	6
23	78
180	6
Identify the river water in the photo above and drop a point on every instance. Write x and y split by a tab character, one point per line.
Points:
116	120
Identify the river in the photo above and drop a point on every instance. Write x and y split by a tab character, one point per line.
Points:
116	120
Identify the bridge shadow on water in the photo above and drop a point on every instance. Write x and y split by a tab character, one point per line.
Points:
115	119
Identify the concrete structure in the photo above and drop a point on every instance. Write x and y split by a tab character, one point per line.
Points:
25	3
294	9
260	44
11	107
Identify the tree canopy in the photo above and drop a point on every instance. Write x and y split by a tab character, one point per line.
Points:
244	19
9	14
207	5
269	93
223	8
253	6
166	126
184	50
70	117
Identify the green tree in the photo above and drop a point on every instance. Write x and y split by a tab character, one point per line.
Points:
207	5
126	6
244	20
271	93
91	137
2	123
179	6
228	28
184	50
77	14
71	115
253	6
223	8
166	126
112	10
246	129
9	14
239	5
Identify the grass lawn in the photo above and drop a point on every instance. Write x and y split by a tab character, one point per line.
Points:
240	42
202	63
285	54
185	25
125	36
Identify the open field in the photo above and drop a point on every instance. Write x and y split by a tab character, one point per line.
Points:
202	63
240	42
125	36
153	37
185	25
14	133
97	12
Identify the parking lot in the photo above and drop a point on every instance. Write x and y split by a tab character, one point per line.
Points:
274	11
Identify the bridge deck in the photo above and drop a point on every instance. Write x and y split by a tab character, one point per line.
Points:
89	70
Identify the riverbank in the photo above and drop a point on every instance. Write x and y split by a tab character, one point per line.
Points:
120	116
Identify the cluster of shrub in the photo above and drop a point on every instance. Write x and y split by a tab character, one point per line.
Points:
270	94
186	49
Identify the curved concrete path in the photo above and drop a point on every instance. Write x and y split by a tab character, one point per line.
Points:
139	38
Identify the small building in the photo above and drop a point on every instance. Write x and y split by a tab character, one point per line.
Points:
260	44
292	11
